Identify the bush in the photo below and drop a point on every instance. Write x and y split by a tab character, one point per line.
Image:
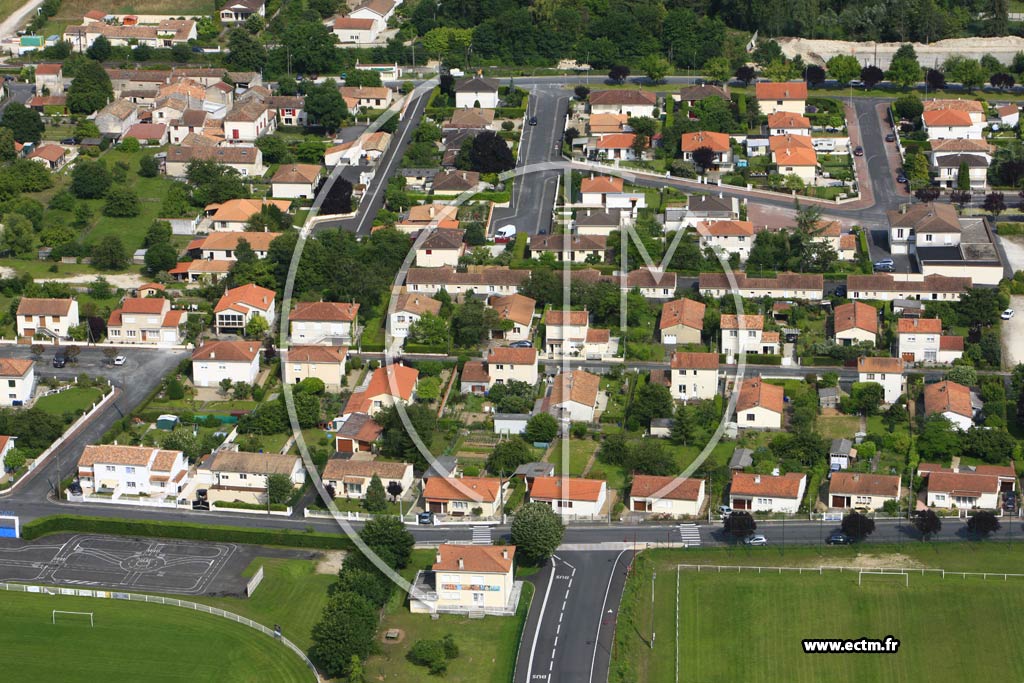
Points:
194	532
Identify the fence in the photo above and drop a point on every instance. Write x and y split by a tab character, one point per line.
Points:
174	602
820	570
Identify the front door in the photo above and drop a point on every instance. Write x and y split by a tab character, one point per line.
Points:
478	599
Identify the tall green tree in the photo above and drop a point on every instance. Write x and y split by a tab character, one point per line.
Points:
245	52
376	499
25	124
843	68
904	68
536	532
91	90
325	105
345	631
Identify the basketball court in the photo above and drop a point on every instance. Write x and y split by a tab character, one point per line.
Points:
137	564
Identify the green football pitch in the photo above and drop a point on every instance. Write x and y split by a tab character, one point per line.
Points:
133	641
749	627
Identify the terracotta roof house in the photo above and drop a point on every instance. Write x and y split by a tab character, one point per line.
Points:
860	490
951	400
573	396
351	478
776	97
240	305
46	317
356	433
517	308
759	405
570	496
885	371
326	363
767	493
388	385
459	497
234	214
676	496
855	322
296	181
319	322
681	321
212	361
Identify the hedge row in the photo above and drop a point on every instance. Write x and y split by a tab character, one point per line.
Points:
183	530
239	505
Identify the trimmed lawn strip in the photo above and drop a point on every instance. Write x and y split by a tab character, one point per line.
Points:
72	400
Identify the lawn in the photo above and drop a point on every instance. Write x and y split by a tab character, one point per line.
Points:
580	451
167	643
41	270
68	401
685	455
831	605
292	594
487	647
838	426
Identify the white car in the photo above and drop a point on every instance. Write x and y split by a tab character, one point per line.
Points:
756	539
119	359
1007	314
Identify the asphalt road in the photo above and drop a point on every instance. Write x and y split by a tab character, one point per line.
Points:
533	194
142	372
571	625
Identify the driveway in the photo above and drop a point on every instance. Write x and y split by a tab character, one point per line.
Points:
1013	334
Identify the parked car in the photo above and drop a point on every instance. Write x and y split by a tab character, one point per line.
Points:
840	290
68	141
884	267
425	518
60	359
1007	314
525	344
756	539
724	510
838	539
120	359
900	178
791	338
533	121
858	151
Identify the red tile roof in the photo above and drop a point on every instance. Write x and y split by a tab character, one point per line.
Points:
15	367
231	351
725	228
602	183
919	326
403	377
324	310
879	364
756	393
476	489
947	397
686	312
646	485
856	315
484	559
729	321
569	488
250	295
946	117
506	354
749	484
781	91
690	360
856	483
716	142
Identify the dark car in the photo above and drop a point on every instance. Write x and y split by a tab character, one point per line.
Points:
890	137
884	268
533	121
858	151
60	359
425	518
525	344
791	338
841	290
900	178
67	141
838	539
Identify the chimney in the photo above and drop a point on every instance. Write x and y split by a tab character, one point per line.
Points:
504	553
438	556
213	355
757	478
431	213
462	565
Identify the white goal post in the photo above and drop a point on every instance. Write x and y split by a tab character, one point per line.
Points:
53	616
860	575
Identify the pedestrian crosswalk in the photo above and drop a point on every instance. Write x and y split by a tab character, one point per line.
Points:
689	534
481	535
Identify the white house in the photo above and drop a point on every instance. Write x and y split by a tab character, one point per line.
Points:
885	371
746	333
884	287
951	400
929	224
380	11
476	92
952	119
573	396
565	331
18	376
718	143
653	283
238	361
50	77
133	471
921	341
223	246
694	376
238	11
1009	114
323	322
409	309
248	121
570	496
731	237
458	497
767	493
854	323
351	478
570	248
46	317
964	490
356	31
517	309
681	321
387	386
506	364
240	305
841	454
848	490
295	181
701	208
632	103
788	123
759	405
609	192
667	495
800	286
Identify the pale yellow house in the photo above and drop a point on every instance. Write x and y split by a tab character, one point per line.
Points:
326	363
468	578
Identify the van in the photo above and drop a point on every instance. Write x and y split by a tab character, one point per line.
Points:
506	233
